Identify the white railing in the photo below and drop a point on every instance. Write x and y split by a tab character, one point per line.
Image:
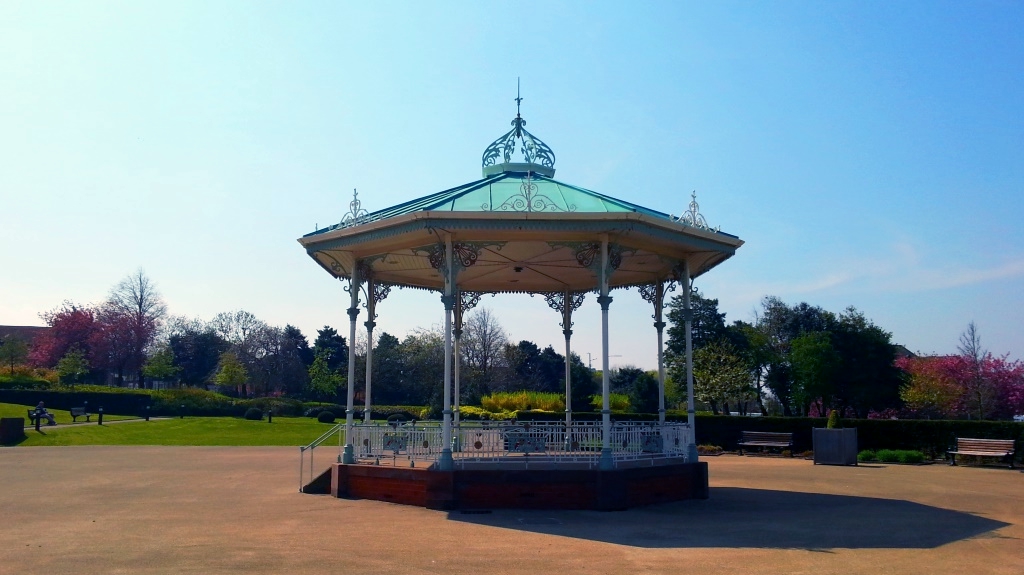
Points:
337	429
522	443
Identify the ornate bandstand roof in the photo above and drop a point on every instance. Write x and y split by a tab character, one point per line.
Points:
518	230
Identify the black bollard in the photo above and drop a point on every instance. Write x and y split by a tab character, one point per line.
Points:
101	415
147	413
38	417
182	412
270	416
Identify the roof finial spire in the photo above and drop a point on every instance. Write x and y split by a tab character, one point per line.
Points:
519	99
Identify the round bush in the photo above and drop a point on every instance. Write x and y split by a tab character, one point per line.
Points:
254	414
325	417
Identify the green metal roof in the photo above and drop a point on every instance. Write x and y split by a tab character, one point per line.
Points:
510	192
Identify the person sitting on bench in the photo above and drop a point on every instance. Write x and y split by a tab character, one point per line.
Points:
41	412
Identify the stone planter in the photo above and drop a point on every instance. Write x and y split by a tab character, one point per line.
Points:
835	446
12	430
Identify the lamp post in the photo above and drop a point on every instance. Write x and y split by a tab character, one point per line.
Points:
101	415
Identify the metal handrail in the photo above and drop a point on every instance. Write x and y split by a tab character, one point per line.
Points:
316	443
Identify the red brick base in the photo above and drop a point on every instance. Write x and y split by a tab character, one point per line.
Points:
522	489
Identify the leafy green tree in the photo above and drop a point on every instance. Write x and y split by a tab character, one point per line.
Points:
719	376
328	339
387	370
324	383
708	323
815	364
197	349
584	384
867	377
73	365
13	350
643	393
752	346
232	373
160	366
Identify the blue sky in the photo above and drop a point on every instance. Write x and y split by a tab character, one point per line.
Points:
869	153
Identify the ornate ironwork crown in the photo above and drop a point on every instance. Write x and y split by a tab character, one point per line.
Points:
536	155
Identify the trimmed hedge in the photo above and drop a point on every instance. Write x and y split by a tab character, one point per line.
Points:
117	403
932	437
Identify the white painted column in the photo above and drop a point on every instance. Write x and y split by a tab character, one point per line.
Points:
457	395
370	324
446	463
605	300
659	324
691	411
348	455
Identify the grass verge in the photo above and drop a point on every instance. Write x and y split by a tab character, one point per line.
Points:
15	410
213	431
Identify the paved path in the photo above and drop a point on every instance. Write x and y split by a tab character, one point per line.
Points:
113	509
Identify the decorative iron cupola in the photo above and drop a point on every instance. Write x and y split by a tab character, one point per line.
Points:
536	156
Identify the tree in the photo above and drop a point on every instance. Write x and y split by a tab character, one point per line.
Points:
719	376
752	346
324	383
584	385
389	366
73	365
295	359
708	323
535	369
197	349
980	393
931	389
13	350
231	373
815	363
866	378
136	309
643	393
160	366
70	325
328	338
481	347
423	367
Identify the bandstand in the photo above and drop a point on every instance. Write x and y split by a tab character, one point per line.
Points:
518	230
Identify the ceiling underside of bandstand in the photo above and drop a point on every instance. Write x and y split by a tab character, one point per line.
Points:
519	252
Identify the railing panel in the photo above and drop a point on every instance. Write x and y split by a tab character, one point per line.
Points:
520	442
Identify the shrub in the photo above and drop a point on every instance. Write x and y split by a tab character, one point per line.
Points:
470	413
616	401
866	455
887	455
833	419
325	417
278	405
905	456
523	400
254	414
315	410
709	450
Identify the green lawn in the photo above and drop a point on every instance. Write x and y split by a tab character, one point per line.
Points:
227	431
15	410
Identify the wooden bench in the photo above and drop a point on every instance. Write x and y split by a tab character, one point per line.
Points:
764	439
32	417
77	412
1002	448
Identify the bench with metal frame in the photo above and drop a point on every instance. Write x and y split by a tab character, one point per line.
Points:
77	412
765	439
1002	448
33	415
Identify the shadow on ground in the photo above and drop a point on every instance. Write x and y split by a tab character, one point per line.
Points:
755	518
